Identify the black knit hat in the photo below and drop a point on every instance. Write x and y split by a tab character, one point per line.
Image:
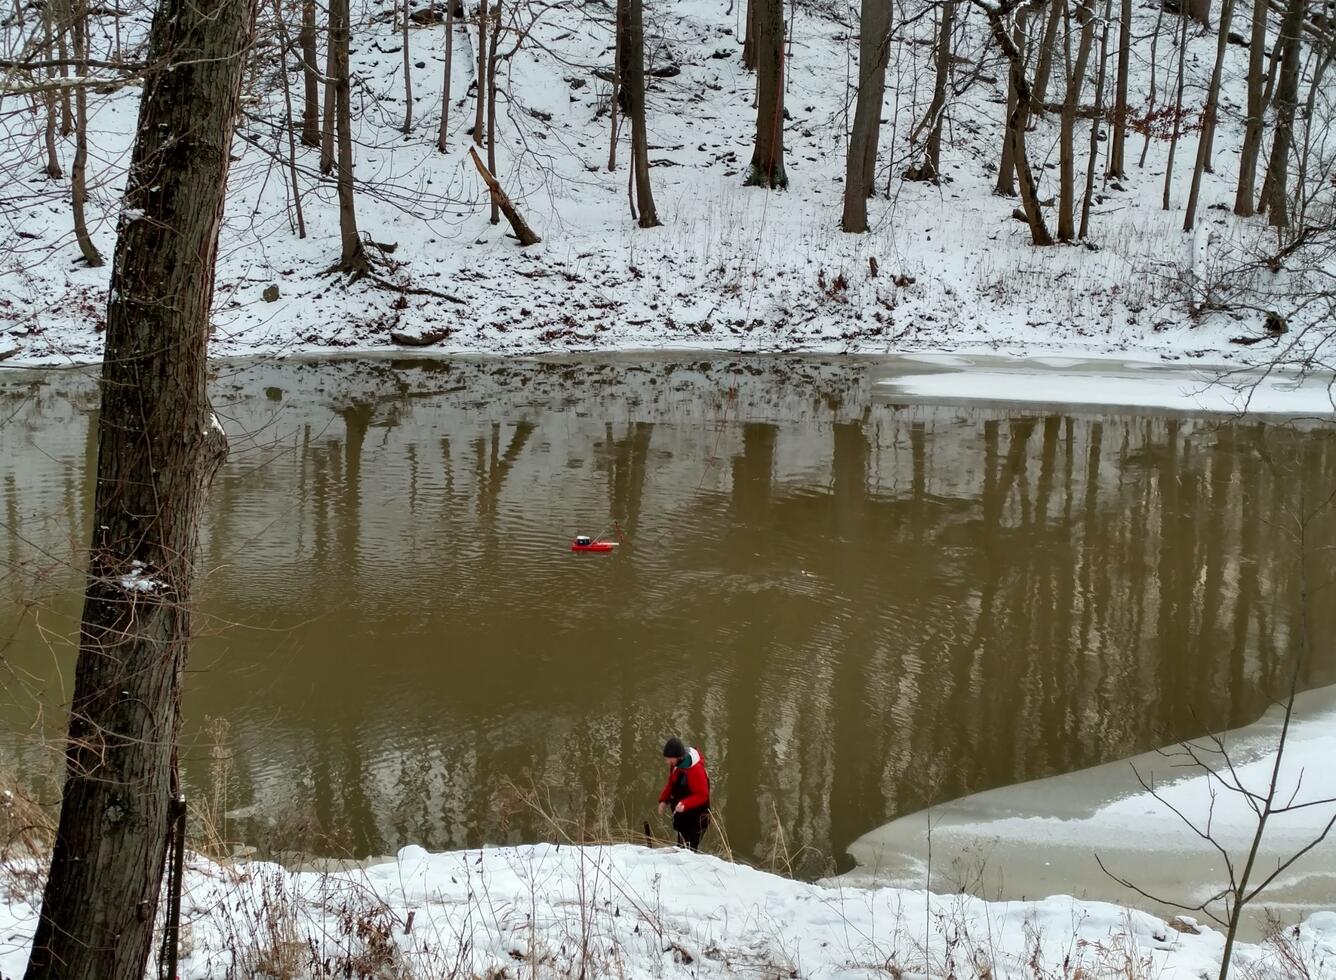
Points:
673	748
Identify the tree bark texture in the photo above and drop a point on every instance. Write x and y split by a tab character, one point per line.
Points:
159	445
327	138
1244	205
767	163
491	99
480	110
1044	70
1287	96
408	73
635	90
861	162
930	168
749	37
53	168
310	76
1006	170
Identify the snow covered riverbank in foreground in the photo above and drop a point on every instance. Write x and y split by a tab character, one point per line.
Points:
627	911
547	910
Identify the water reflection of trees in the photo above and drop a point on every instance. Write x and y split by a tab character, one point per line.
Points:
861	608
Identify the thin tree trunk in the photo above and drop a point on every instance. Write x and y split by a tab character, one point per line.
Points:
930	169
1117	166
1071	99
1252	136
1304	192
61	12
352	254
1203	161
1150	99
767	163
53	169
491	101
635	83
481	108
1287	95
310	76
621	16
327	139
289	128
1034	217
159	445
1094	123
1006	171
443	134
79	171
1044	71
408	75
1178	111
873	53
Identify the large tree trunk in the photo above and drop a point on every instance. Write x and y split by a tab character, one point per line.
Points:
352	254
635	90
749	38
310	76
1034	217
79	171
159	445
1117	165
1252	135
1287	95
1203	163
930	168
767	163
860	165
1067	129
443	133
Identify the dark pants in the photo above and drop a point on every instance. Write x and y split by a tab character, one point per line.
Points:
691	826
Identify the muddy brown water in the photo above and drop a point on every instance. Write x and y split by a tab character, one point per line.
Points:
854	606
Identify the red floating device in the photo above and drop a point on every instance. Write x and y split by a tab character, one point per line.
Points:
584	542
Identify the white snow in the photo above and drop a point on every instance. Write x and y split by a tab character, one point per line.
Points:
1041	836
137	580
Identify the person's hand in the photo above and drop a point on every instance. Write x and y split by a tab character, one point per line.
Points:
679	808
663	808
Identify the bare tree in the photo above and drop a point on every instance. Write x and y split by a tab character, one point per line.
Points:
997	17
493	34
327	138
1095	123
1178	111
621	43
1252	135
1057	11
1006	171
930	168
481	108
1071	100
1287	96
79	170
310	76
1203	162
352	257
1117	166
408	73
767	163
53	169
159	445
282	28
635	90
443	133
861	162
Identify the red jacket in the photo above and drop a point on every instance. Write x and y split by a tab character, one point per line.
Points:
688	783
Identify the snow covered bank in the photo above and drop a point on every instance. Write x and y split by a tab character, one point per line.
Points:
550	911
1041	837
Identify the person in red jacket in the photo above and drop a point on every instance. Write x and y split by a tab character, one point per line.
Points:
687	793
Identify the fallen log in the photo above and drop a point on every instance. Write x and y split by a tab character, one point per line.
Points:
523	232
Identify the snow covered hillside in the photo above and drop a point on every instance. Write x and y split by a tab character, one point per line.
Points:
731	267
